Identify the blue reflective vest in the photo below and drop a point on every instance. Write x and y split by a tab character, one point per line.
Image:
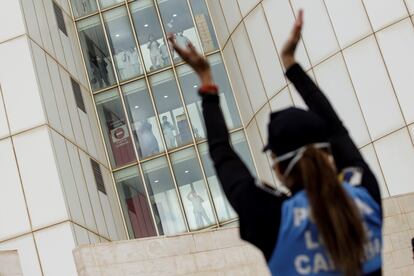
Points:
299	251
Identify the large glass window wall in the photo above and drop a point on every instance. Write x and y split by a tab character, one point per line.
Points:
96	53
122	43
151	115
150	36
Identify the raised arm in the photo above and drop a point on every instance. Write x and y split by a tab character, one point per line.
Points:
344	150
259	211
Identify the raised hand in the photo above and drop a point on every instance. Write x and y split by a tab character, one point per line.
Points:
198	62
288	51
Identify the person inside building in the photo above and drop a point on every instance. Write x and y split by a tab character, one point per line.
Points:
325	225
200	213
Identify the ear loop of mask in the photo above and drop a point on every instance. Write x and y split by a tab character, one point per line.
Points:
297	155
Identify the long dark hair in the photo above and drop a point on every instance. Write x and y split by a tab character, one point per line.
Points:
335	214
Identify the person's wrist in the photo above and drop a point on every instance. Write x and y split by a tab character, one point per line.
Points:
206	78
288	61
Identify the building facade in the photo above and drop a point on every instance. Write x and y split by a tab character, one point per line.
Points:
101	132
150	113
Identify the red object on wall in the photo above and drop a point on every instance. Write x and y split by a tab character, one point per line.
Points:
140	216
121	142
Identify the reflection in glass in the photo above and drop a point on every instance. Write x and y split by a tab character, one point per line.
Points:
177	20
134	203
223	208
83	7
142	118
174	122
192	189
115	130
108	3
227	102
163	196
204	25
239	142
189	83
96	53
122	43
150	35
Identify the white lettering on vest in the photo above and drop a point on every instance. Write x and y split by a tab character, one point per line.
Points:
310	244
302	265
372	249
363	207
319	263
299	215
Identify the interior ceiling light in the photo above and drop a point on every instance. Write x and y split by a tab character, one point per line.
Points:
136	107
165	96
117	35
195	85
156	181
187	171
146	25
174	15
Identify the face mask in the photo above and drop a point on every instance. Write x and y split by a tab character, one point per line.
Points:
296	155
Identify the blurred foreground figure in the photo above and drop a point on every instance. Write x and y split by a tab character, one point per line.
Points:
330	224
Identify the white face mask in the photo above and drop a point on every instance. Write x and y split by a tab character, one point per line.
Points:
296	155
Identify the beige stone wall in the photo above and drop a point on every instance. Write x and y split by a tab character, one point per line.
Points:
221	252
398	231
218	252
10	263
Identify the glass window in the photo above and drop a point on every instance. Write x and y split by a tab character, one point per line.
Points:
83	7
114	127
177	20
174	122
189	83
163	197
204	25
121	40
134	203
238	140
143	119
150	36
108	3
227	102
223	208
96	53
192	189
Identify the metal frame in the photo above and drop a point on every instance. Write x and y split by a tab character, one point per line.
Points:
145	77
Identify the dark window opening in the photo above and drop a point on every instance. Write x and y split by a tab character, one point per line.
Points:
59	18
78	95
98	176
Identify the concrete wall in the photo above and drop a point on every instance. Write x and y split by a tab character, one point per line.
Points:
218	252
364	66
221	252
10	263
398	232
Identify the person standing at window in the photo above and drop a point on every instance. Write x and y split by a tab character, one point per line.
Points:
198	209
155	53
169	132
325	226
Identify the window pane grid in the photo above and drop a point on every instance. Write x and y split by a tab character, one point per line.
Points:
148	141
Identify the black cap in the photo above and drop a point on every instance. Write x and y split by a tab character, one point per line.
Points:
292	128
